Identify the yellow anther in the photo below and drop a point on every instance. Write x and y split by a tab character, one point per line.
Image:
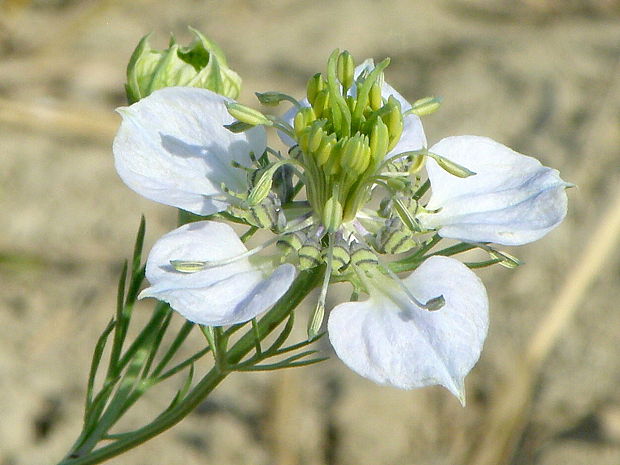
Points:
379	141
321	103
247	115
425	106
325	149
393	119
315	138
304	117
345	67
376	101
314	86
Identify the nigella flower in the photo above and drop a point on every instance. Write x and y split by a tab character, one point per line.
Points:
351	140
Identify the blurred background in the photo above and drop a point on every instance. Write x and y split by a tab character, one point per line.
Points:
541	76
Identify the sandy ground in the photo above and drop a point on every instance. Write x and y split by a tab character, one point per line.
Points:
540	76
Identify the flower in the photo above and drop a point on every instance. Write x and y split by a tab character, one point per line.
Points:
351	139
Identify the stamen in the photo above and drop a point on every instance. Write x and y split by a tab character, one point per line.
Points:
192	266
431	305
314	325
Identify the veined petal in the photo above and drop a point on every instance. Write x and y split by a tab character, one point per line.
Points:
511	200
390	340
217	296
172	147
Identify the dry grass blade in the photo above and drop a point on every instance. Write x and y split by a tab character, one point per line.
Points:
74	121
509	410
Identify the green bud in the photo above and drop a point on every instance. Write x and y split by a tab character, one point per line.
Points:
425	106
315	85
247	115
345	67
451	167
332	215
201	64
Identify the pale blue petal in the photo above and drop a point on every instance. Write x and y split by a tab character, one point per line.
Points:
172	147
223	295
511	200
390	340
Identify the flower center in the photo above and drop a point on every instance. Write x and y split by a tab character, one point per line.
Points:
344	136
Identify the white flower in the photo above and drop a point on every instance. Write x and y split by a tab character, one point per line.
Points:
216	296
172	147
392	341
511	200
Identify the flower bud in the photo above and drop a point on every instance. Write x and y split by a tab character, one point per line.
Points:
247	115
201	64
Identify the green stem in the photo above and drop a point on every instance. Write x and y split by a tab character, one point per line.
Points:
299	290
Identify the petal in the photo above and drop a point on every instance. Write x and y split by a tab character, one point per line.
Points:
172	148
511	200
222	295
392	341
